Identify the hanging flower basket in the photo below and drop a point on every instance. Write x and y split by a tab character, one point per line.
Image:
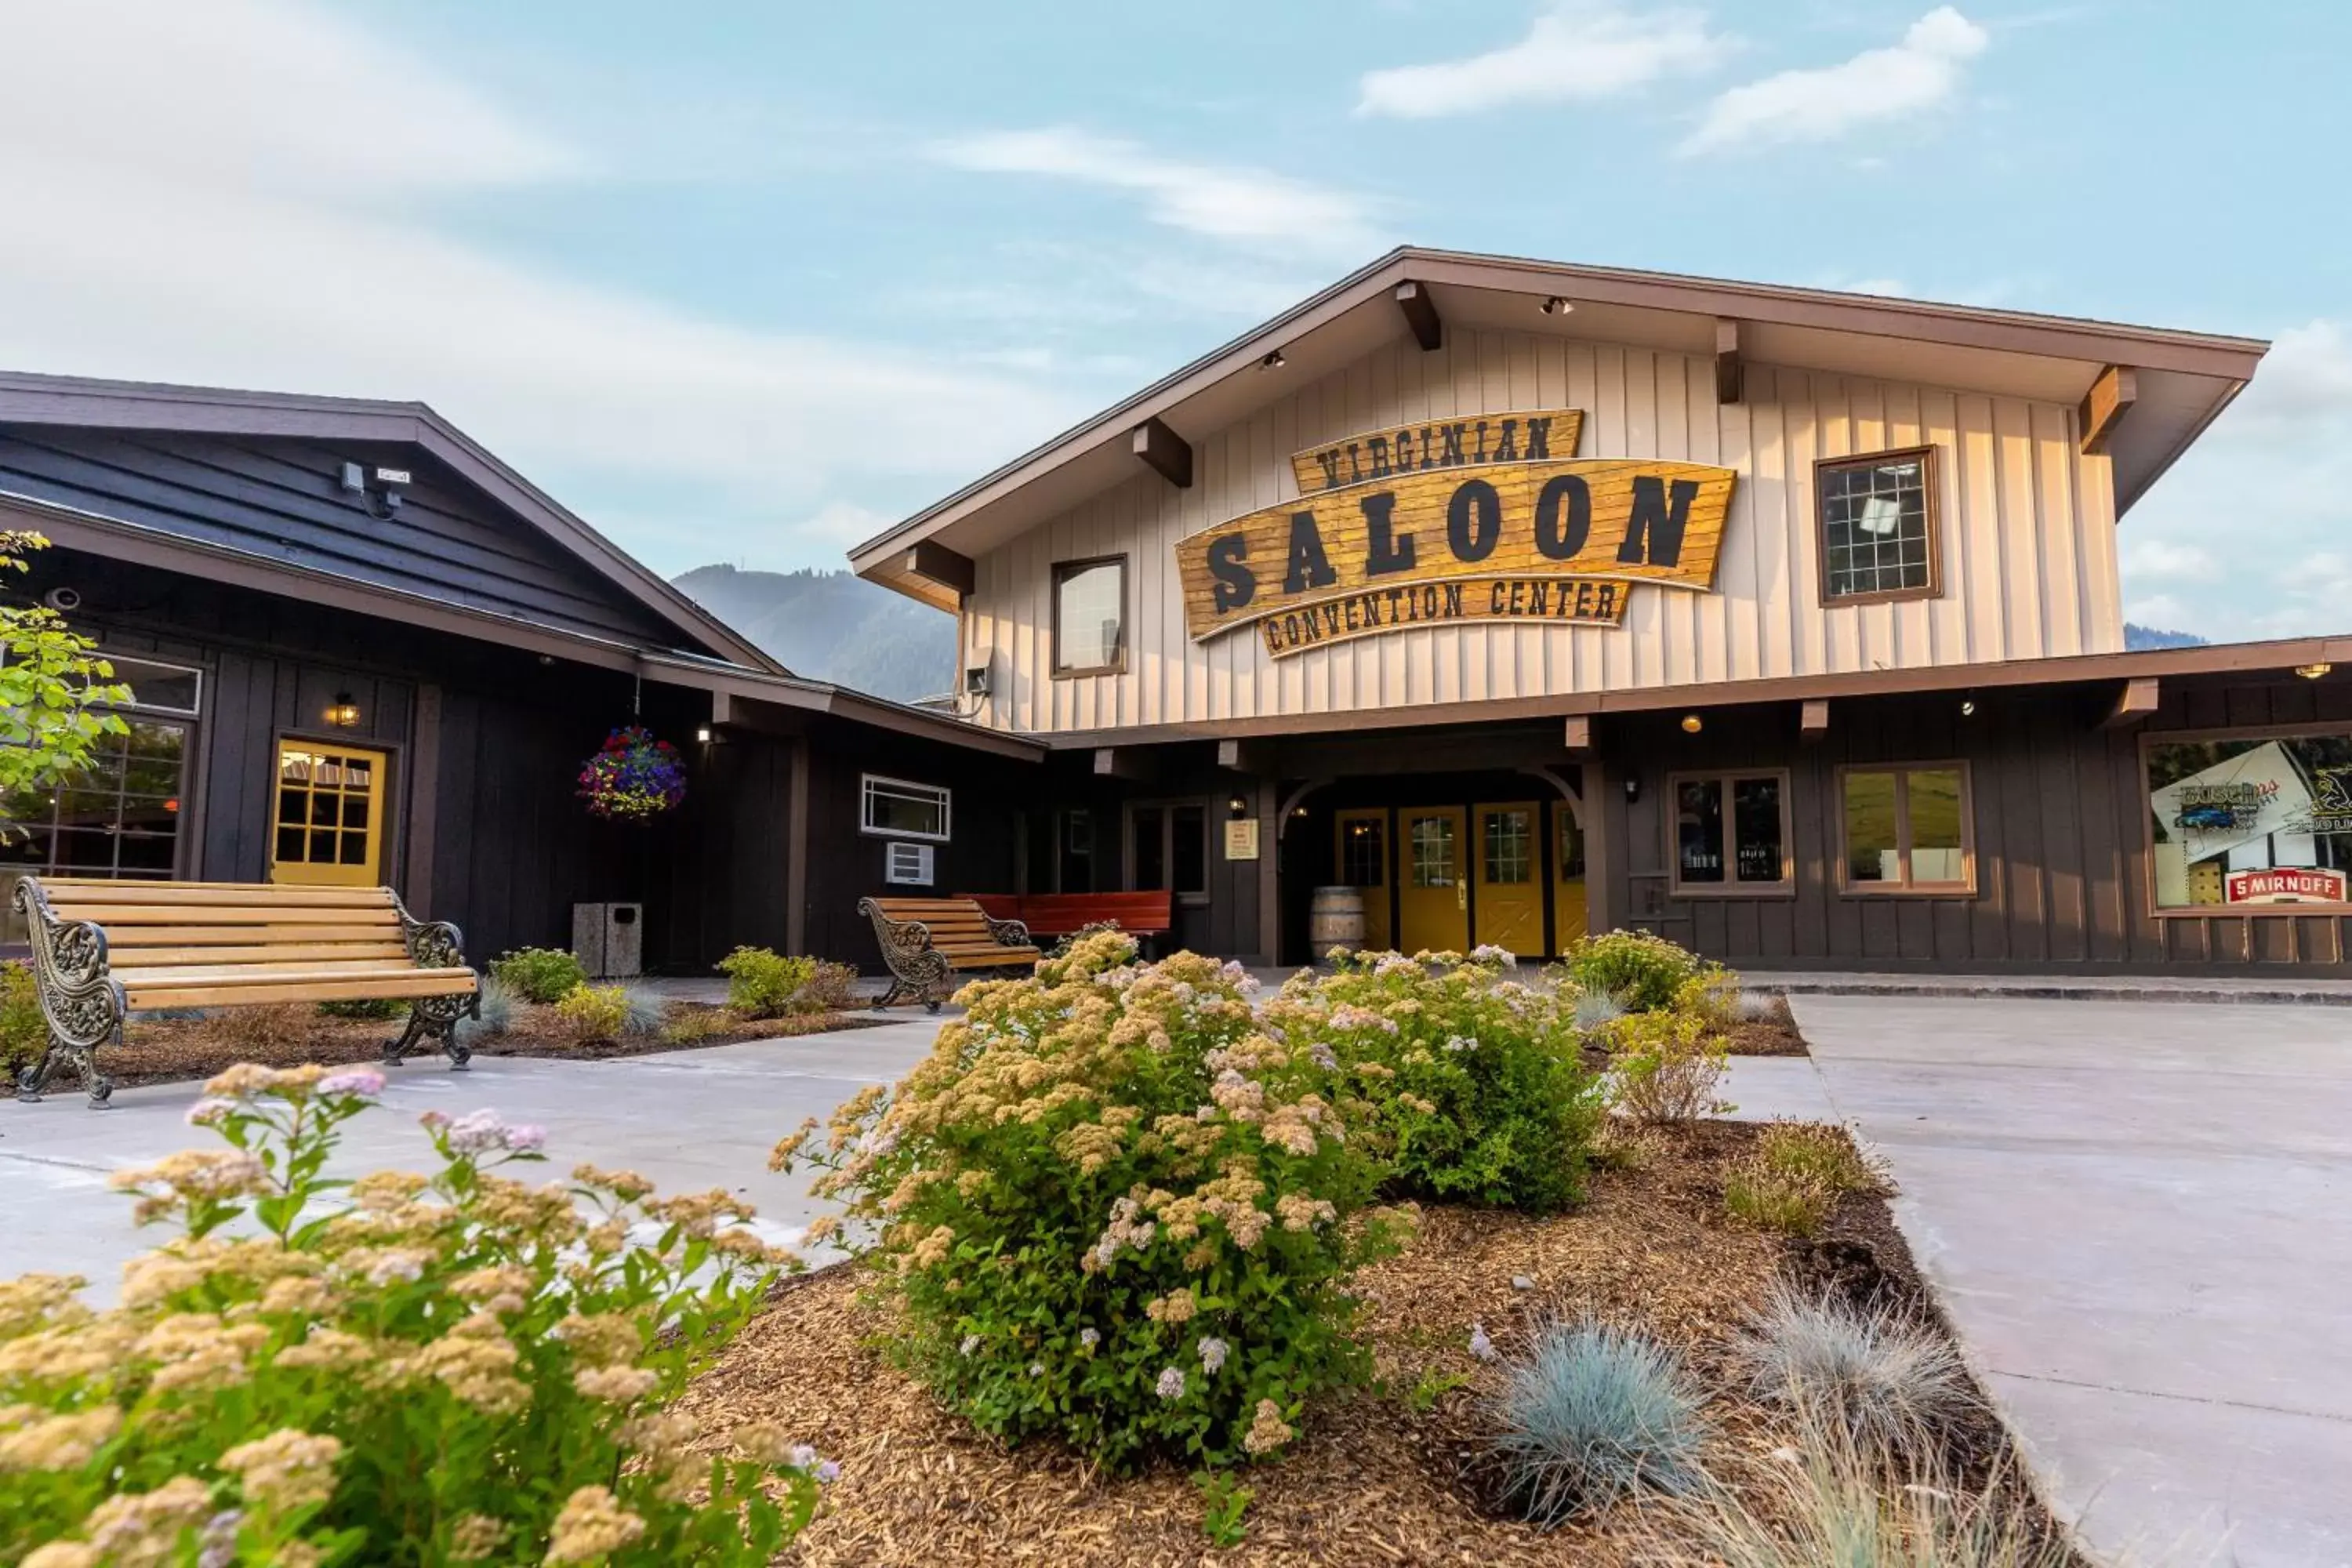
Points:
634	778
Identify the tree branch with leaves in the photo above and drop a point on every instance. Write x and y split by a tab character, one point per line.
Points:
57	695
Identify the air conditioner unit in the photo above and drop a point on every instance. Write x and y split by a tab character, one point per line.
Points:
907	865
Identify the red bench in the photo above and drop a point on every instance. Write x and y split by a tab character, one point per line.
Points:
1059	914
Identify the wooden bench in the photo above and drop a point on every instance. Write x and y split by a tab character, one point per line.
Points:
926	943
101	949
1060	914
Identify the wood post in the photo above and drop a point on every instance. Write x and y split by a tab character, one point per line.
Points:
1578	734
1163	451
2103	406
1731	374
2134	703
1814	719
1421	315
947	568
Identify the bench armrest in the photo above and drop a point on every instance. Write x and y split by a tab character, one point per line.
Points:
81	1002
432	944
1008	933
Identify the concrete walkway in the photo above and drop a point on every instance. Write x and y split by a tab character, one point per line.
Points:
688	1119
2135	1214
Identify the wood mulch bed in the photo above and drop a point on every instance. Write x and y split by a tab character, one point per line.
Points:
1773	1035
168	1050
1371	1480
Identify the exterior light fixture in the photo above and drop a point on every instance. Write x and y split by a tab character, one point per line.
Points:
1556	306
1967	707
342	712
2313	672
1632	787
702	733
1237	808
1692	723
1273	360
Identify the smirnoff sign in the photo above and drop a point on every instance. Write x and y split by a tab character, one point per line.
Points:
1490	518
2286	885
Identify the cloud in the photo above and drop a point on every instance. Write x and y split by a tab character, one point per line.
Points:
2265	501
248	194
1239	205
1572	52
1821	104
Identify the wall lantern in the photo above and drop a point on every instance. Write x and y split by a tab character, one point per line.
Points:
1556	306
1632	788
343	713
702	733
1692	723
1967	707
2313	672
1237	808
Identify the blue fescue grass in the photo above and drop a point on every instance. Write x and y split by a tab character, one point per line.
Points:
1891	1387
498	1004
646	1012
1596	1009
1593	1414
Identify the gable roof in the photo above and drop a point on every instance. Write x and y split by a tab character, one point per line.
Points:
2185	379
92	404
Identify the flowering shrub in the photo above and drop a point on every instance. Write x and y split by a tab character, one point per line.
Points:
592	1012
633	776
1641	971
457	1369
1116	1209
1666	1066
762	984
541	974
1475	1083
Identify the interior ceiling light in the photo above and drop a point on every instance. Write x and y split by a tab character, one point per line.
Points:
2313	672
1556	306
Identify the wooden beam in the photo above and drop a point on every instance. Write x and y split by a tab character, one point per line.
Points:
722	708
2134	703
946	567
1251	757
2103	406
1421	315
1730	375
1163	451
1578	737
1134	763
1814	719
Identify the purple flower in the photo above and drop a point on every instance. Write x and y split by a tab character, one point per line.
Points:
485	1131
800	1456
352	1080
829	1472
1171	1384
1480	1345
1213	1352
209	1110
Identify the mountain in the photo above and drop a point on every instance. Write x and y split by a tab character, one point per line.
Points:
2138	638
833	626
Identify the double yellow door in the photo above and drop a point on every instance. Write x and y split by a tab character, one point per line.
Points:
1456	869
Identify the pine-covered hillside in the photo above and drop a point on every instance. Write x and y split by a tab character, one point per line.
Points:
832	626
2138	637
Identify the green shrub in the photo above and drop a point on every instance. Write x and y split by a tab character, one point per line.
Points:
1893	1387
23	1031
1115	1209
377	1007
1641	971
1592	1415
762	984
1666	1067
1825	1156
831	988
1475	1084
1755	1193
541	974
398	1371
592	1012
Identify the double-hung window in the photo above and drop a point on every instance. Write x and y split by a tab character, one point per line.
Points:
1731	832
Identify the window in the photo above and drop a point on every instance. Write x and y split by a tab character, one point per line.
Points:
903	810
1878	532
1907	829
159	688
328	829
1364	852
1171	849
1089	616
2250	824
1432	839
1510	846
1732	832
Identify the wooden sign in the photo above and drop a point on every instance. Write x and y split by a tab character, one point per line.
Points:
1535	436
1560	540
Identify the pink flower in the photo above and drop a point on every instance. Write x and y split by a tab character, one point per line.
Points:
352	1080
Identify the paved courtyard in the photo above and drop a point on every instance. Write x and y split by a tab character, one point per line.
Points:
2135	1212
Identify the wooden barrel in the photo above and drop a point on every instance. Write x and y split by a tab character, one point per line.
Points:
1335	919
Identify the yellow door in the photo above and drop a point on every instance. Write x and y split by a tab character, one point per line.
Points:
1433	893
330	822
1568	907
1361	852
1510	888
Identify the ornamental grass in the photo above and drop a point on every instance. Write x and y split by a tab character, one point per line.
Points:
400	1369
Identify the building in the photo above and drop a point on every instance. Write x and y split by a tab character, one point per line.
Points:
364	650
1533	600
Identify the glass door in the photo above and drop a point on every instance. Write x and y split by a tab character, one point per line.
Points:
1569	919
329	825
1362	851
1511	892
1433	897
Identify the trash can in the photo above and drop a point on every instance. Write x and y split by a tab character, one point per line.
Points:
609	940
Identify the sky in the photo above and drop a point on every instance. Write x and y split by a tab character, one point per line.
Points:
749	282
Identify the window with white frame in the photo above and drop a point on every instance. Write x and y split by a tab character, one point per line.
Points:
896	808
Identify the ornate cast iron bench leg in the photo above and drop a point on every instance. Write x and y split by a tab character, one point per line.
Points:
917	972
81	1002
435	945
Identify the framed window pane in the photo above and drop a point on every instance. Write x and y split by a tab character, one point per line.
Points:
1873	850
897	808
1511	847
1877	524
121	811
1932	805
169	688
1089	609
1363	852
2251	823
1188	832
1756	824
1431	840
1698	831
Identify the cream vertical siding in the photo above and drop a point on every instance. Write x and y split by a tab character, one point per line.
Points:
2028	545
